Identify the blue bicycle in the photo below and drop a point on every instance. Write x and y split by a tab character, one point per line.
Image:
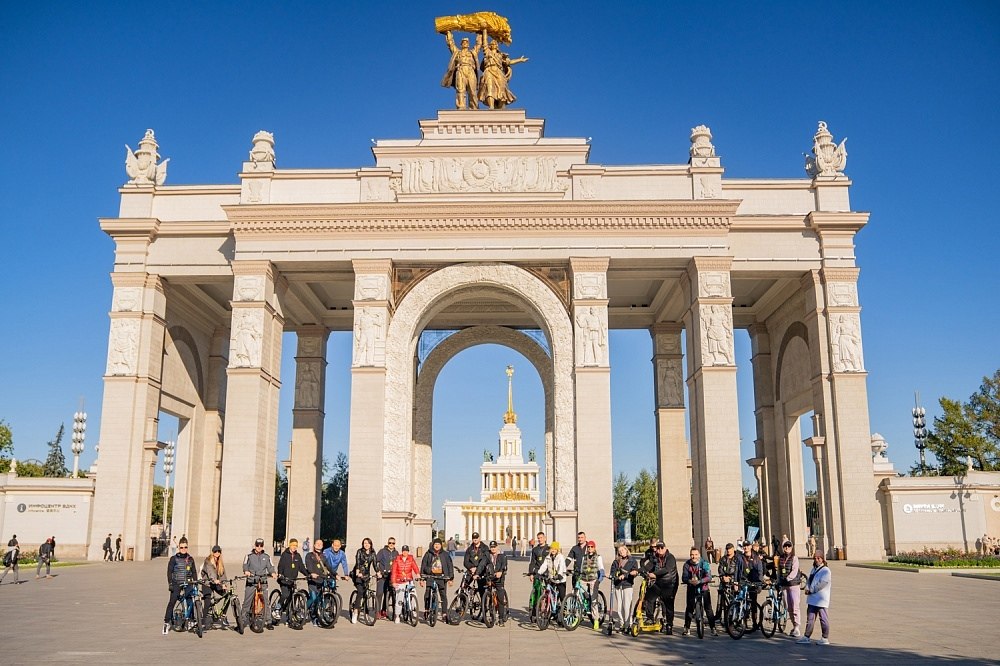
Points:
324	603
189	610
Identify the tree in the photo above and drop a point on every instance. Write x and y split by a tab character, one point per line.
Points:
6	446
751	509
621	497
333	513
280	505
645	506
30	468
968	430
55	463
157	517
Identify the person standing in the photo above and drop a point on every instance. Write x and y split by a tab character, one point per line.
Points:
213	570
437	563
107	548
257	564
364	567
383	570
462	74
494	567
452	547
290	565
513	547
591	575
10	559
697	576
710	550
317	573
811	545
789	577
661	570
118	549
474	553
727	577
44	559
818	600
181	570
576	554
538	554
404	571
554	566
750	568
623	572
305	545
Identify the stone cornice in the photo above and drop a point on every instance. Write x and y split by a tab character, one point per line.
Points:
118	227
479	216
851	222
831	274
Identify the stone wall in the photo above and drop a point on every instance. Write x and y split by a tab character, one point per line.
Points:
37	508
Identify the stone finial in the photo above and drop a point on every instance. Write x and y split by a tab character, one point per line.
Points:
262	152
701	142
141	165
879	445
828	158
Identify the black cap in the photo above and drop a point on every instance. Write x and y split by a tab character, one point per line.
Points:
786	543
660	544
258	542
475	535
406	548
216	549
493	544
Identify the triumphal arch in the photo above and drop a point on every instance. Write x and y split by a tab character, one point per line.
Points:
483	224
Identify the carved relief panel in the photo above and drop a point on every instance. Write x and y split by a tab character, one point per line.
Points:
123	347
716	335
591	329
845	343
369	336
843	294
127	299
590	285
247	338
373	287
480	174
307	384
248	288
669	382
714	284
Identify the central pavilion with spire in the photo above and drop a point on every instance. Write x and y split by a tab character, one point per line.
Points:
510	502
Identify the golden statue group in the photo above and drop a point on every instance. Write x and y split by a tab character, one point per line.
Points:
492	87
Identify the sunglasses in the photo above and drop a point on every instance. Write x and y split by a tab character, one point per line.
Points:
182	547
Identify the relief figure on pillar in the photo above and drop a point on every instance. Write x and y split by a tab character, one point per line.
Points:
717	335
670	383
123	348
248	332
368	332
593	338
847	345
307	386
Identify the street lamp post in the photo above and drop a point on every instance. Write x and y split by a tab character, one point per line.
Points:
79	434
920	430
168	467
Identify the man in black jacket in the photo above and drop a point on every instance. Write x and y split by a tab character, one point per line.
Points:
437	563
181	570
494	566
538	554
661	570
383	569
576	554
474	553
290	565
727	577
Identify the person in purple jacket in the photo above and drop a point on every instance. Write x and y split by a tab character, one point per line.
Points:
789	577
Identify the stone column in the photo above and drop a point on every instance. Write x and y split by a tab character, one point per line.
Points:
592	372
715	437
818	445
305	475
671	442
372	311
212	429
129	415
766	448
757	464
250	446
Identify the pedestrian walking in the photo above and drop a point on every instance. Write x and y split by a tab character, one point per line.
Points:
107	548
44	559
118	549
818	600
513	546
10	559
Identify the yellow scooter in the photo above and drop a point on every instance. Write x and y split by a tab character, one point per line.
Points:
642	623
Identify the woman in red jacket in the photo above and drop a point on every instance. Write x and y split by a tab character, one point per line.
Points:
404	571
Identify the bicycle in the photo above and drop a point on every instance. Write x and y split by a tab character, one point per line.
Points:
188	612
367	609
743	612
773	612
699	610
295	607
548	606
431	611
580	603
655	621
408	613
494	603
218	608
258	607
467	599
537	589
324	603
727	592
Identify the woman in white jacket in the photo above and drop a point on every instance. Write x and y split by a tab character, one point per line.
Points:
554	567
818	600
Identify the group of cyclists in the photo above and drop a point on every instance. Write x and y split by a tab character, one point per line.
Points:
395	573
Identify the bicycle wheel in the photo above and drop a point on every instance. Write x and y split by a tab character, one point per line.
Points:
699	617
390	604
782	617
734	620
456	610
326	610
274	606
543	612
475	605
599	609
178	616
660	615
199	620
367	613
489	614
768	619
236	609
297	613
432	609
411	600
571	614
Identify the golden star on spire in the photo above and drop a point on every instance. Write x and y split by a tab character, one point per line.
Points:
510	416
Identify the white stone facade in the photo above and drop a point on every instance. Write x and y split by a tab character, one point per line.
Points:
482	223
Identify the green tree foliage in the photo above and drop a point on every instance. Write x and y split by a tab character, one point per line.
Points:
970	429
157	517
30	468
645	506
621	497
6	446
55	463
280	505
333	511
751	509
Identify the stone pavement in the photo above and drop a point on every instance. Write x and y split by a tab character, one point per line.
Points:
111	613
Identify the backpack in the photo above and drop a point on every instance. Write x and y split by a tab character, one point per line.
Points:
8	558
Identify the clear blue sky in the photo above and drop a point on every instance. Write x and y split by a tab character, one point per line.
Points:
913	85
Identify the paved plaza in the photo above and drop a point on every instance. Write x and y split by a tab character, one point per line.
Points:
111	613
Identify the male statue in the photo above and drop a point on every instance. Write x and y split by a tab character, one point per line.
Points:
462	72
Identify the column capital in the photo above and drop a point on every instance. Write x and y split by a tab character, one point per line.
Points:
756	463
254	267
589	264
666	328
703	264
